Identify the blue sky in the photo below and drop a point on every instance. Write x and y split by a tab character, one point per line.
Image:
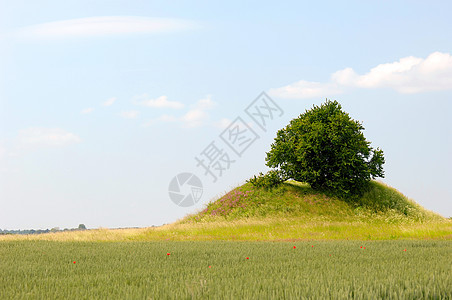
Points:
102	103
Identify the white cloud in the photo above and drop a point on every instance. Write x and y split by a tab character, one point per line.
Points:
102	26
162	118
160	102
195	117
205	103
223	123
109	101
167	118
407	75
46	137
305	89
131	114
198	115
87	110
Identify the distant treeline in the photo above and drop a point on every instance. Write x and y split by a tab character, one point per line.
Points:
40	231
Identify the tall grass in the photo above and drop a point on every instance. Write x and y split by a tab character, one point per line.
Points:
263	229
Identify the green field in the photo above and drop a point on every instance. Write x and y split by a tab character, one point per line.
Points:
143	270
384	246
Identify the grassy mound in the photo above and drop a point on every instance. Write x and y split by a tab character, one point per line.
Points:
299	200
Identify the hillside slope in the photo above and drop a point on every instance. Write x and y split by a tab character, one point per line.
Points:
295	199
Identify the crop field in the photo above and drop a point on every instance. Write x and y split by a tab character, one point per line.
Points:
206	270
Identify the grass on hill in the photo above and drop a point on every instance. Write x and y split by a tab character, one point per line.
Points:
292	211
295	199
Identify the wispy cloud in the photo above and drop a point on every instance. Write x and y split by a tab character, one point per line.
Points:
408	75
205	103
223	123
46	137
161	119
306	89
87	110
131	114
167	118
196	116
102	26
109	102
160	102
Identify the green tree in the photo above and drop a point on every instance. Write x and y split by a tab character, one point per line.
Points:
81	227
327	149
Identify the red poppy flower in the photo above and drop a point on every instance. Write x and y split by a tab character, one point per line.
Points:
294	247
247	258
168	253
74	262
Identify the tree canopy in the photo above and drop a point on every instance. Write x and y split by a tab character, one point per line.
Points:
326	148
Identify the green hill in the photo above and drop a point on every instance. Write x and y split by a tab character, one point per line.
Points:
294	211
295	199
